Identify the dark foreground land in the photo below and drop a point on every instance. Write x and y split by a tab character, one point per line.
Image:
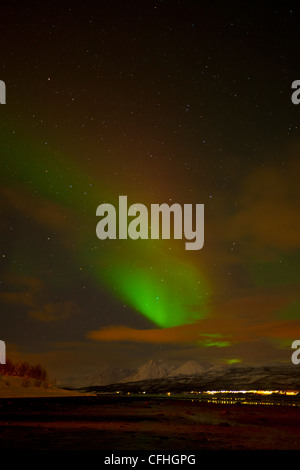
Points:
144	423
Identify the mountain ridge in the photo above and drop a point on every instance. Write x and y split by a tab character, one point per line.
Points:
152	369
232	379
189	375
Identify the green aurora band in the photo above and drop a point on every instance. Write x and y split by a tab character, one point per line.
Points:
144	274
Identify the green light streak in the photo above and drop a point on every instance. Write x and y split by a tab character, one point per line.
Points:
233	361
210	342
164	288
167	301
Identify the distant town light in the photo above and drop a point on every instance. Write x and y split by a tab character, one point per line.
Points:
258	392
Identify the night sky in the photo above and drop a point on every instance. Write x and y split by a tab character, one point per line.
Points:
183	102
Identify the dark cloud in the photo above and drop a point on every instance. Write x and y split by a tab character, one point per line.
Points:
30	294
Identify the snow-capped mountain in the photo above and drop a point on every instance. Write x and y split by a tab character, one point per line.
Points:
158	376
187	368
149	370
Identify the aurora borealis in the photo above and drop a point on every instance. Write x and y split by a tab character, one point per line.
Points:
165	102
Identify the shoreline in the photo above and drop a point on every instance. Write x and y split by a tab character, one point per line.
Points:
144	423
